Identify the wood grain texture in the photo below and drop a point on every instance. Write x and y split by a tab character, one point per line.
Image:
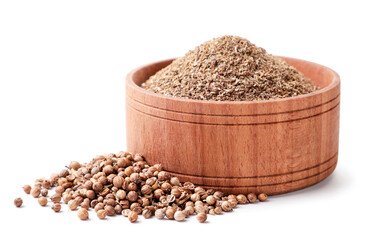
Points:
273	146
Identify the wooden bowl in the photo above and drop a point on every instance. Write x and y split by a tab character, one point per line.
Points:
272	146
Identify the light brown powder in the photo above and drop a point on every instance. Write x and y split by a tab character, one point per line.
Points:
229	68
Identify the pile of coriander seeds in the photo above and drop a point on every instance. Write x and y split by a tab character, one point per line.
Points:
124	184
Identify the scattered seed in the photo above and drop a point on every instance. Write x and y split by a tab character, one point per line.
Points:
242	199
262	197
73	204
27	189
201	217
35	191
83	214
160	213
56	207
102	214
132	189
43	201
226	206
133	216
251	197
18	202
179	216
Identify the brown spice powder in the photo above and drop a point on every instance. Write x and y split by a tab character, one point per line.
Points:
229	68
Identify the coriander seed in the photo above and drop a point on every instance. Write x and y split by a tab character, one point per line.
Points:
18	202
210	200
232	197
102	214
163	176
201	217
125	204
56	207
93	203
98	207
44	192
160	213
73	204
97	186
147	213
242	199
176	192
166	187
199	190
120	194
83	214
190	210
135	207
179	216
27	189
110	210
185	213
74	165
53	178
122	162
151	181
126	212
43	201
262	197
226	206
218	210
85	205
118	181
59	190
146	189
66	197
198	203
195	197
35	192
108	169
189	204
46	184
158	193
55	198
200	208
134	177
233	202
118	209
218	195
133	217
132	187
138	158
132	196
174	181
251	197
90	194
128	171
169	213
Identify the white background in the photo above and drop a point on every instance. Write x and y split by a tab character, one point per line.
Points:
62	71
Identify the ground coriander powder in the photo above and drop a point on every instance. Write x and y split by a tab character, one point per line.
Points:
229	68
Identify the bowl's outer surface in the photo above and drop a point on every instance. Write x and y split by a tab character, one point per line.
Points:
273	146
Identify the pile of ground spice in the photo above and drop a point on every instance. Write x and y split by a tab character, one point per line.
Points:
229	68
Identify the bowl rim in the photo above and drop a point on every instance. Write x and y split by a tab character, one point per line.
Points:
335	81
